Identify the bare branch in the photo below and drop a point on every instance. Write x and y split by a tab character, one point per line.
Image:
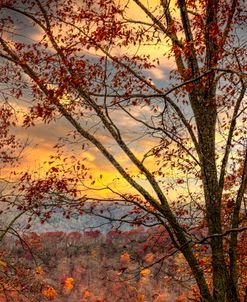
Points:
230	231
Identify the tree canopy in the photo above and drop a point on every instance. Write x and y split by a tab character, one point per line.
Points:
178	140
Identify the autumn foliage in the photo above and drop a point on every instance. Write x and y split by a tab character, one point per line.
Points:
76	267
149	101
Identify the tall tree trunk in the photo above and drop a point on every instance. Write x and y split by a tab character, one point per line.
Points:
205	114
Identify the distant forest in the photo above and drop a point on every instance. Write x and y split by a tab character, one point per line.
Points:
92	266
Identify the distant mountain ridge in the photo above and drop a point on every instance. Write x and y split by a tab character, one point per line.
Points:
76	222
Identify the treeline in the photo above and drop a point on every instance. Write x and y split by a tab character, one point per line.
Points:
128	266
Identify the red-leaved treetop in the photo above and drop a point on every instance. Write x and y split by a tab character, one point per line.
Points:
179	140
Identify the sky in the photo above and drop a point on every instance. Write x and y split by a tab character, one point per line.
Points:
43	137
39	135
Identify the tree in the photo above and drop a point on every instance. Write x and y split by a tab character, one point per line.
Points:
10	153
86	62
